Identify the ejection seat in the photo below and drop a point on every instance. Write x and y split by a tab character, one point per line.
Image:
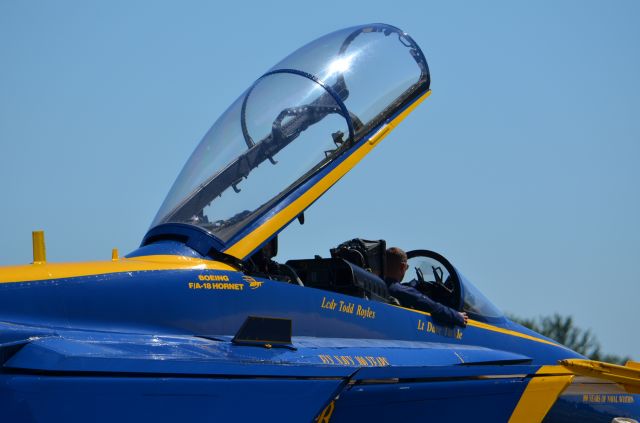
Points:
353	269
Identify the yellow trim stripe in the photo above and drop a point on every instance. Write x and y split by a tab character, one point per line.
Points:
40	272
485	326
492	328
325	416
628	375
541	393
632	364
247	244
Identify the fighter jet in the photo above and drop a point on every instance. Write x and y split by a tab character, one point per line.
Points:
200	323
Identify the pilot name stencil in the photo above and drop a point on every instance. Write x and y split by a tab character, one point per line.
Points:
424	326
347	308
356	360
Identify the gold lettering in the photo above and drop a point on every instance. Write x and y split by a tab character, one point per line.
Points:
213	278
431	328
325	416
382	361
365	313
326	359
329	305
361	361
346	307
358	360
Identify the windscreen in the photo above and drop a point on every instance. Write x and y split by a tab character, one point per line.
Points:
309	109
476	304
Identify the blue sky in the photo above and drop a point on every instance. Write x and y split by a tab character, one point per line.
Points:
522	168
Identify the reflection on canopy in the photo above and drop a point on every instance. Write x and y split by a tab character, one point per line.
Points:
309	109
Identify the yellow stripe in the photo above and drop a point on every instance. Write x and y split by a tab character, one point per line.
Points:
325	416
541	393
247	244
492	328
627	375
39	272
511	332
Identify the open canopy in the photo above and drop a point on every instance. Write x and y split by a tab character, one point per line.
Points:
303	116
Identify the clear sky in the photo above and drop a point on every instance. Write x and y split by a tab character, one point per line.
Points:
522	168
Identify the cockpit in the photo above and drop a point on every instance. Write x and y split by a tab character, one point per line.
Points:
356	268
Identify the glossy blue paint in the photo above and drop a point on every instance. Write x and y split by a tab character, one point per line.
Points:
165	247
104	329
177	239
466	400
97	352
37	398
166	303
96	329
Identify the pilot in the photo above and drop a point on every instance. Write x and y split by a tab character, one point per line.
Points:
410	297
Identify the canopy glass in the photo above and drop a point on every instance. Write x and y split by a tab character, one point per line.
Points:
309	109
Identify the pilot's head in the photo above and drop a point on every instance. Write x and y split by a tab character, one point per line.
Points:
396	264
